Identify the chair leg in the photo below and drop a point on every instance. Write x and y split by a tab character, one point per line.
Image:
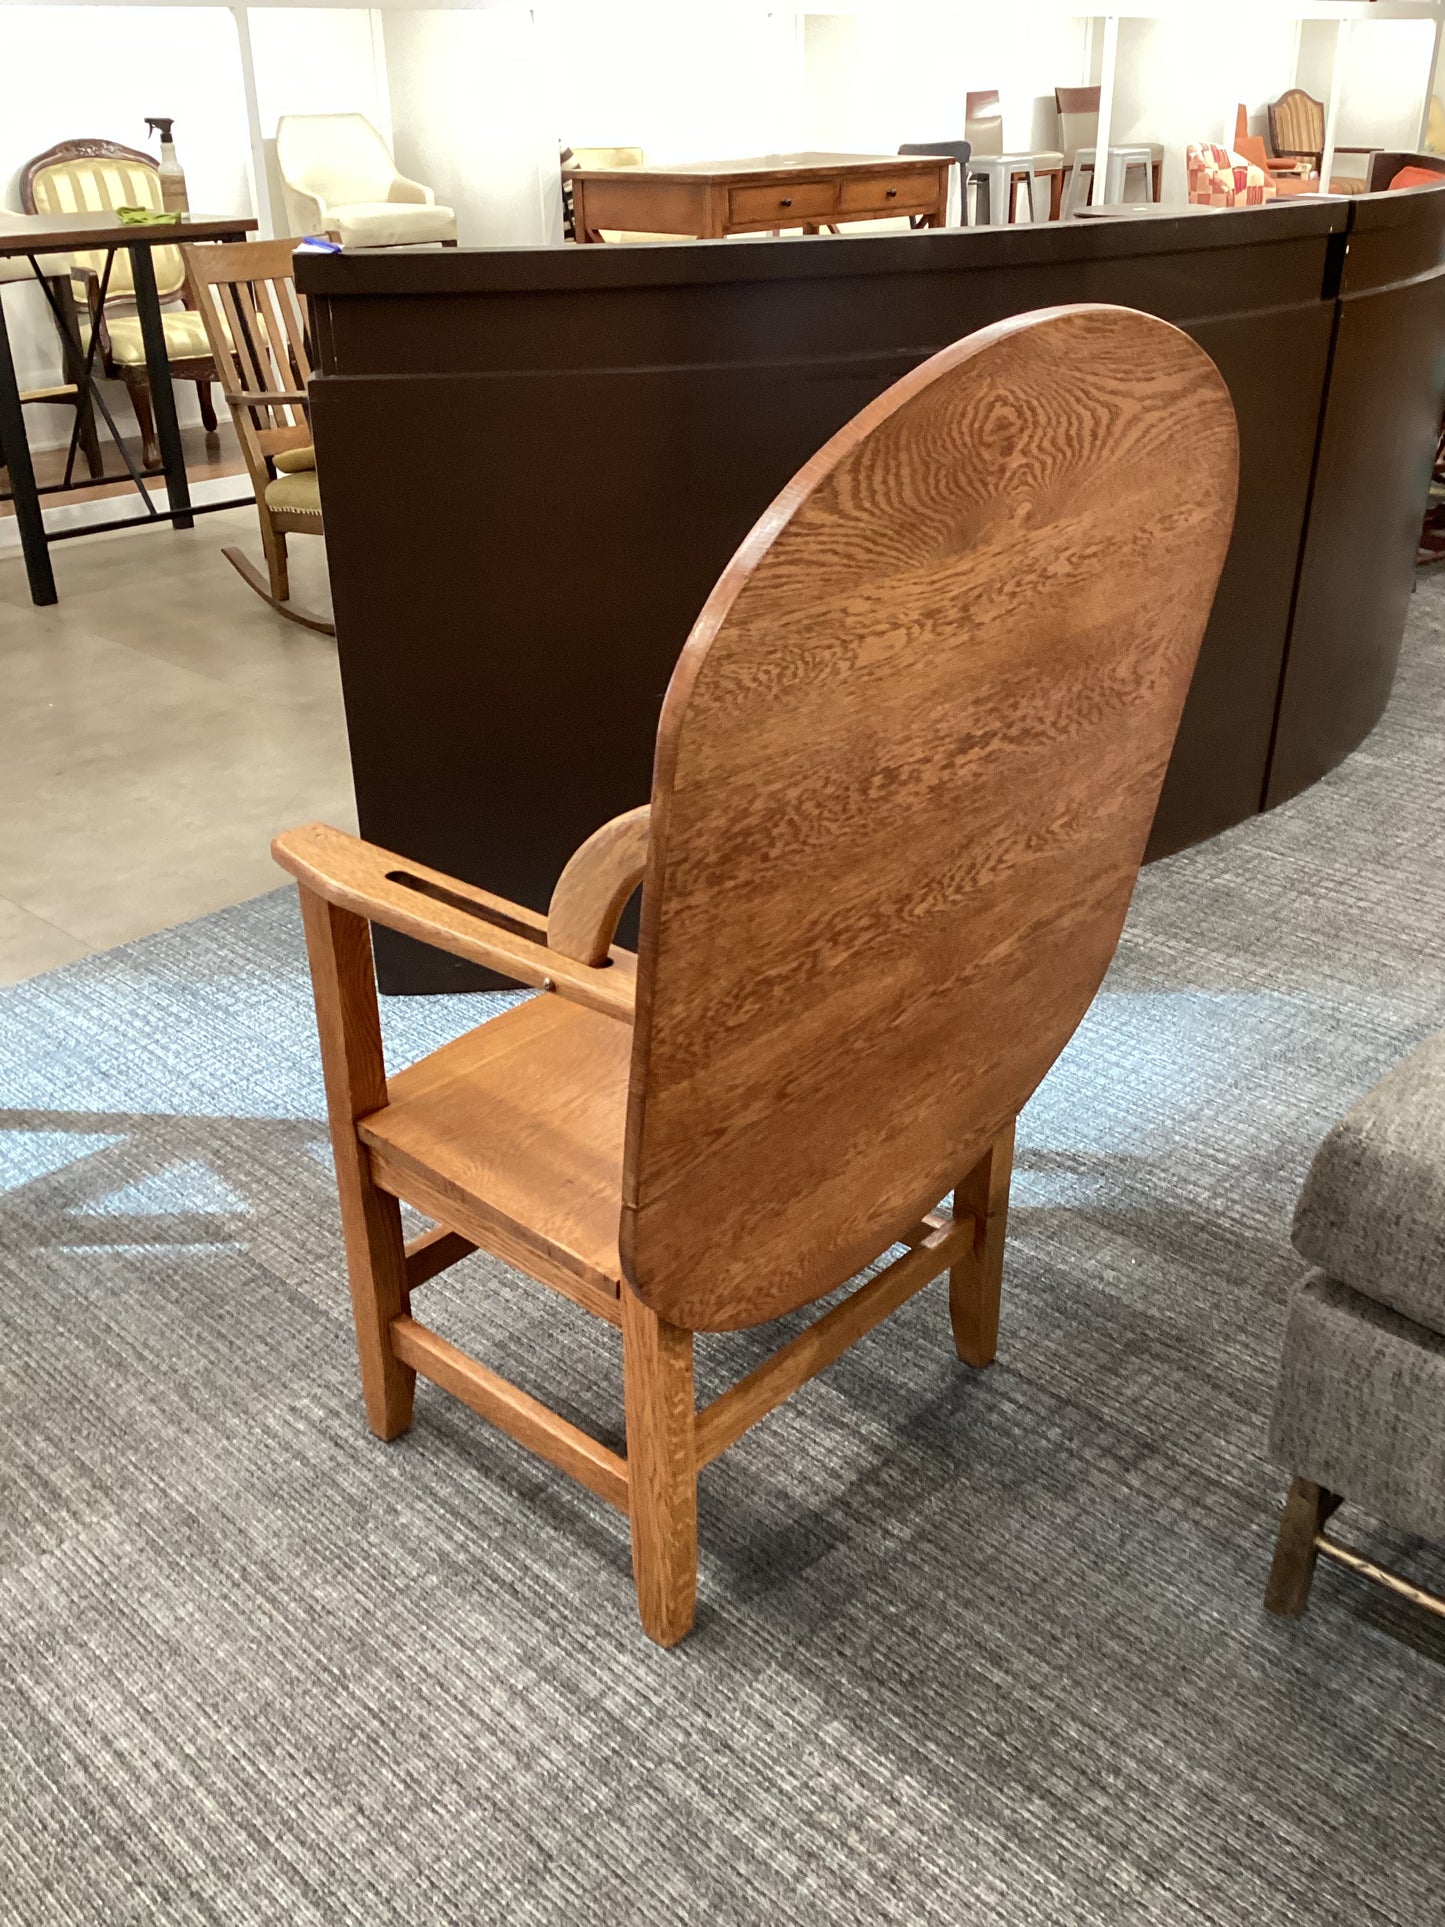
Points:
339	946
1293	1569
208	411
661	1468
139	390
273	541
975	1285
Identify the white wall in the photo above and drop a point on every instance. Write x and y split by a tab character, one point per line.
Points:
680	79
1176	85
315	60
875	80
470	119
1387	74
1386	77
75	71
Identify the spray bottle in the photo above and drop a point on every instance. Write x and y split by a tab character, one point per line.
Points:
173	175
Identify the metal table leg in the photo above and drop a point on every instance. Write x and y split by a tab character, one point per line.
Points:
16	448
163	395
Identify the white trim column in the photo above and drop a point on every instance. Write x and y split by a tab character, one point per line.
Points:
1332	112
256	166
1099	185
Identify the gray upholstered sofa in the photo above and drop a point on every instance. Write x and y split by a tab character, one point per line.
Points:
1360	1411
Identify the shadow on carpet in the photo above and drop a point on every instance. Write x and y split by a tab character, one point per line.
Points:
972	1647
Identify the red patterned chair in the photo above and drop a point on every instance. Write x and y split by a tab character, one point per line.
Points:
1220	178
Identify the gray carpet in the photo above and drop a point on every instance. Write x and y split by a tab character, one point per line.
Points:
971	1649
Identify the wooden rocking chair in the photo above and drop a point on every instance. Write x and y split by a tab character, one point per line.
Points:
246	295
905	770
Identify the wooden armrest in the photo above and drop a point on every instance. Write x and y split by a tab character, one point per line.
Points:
592	891
450	915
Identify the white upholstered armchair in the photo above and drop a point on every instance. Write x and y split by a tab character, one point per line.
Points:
339	177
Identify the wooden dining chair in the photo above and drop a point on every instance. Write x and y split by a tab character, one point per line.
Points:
905	770
1297	133
245	294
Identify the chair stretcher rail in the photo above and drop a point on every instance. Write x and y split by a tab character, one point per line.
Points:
722	1423
514	1411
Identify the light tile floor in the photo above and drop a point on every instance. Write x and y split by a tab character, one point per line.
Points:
157	727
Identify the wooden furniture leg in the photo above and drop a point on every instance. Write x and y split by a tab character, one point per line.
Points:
1295	1553
975	1284
661	1468
339	946
139	390
273	541
208	409
73	360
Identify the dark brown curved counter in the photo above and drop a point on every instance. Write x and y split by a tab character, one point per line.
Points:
534	463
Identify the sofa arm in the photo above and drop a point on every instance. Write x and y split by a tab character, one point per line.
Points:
404	190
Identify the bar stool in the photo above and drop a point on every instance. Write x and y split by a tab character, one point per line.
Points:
1116	176
996	174
1078	109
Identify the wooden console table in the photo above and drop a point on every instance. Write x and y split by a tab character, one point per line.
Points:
709	199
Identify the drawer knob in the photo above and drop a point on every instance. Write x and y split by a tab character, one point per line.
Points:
787	201
892	193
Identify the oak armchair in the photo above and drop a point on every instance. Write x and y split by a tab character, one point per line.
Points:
905	770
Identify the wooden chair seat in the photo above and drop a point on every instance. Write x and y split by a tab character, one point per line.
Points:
516	1132
295	492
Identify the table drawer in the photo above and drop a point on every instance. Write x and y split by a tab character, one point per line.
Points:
782	203
913	192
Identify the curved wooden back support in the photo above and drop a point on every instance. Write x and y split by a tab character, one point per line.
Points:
1297	126
905	772
91	176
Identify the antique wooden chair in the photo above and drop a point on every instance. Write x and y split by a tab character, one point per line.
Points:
93	175
905	770
246	296
1297	133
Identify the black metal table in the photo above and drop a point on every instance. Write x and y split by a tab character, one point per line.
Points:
27	236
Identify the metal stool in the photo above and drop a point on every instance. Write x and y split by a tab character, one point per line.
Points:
995	173
1116	174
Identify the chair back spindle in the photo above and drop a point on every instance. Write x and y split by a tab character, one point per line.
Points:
255	323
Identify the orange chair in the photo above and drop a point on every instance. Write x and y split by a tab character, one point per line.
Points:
1290	177
905	770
